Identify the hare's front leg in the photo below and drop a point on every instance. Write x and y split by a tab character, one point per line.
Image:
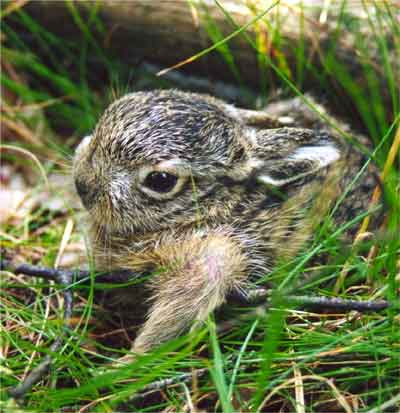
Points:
197	275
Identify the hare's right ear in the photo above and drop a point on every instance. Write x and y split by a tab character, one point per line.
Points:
285	155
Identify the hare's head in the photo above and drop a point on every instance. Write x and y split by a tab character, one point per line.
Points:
164	158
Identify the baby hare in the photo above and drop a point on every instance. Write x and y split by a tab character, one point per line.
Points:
209	195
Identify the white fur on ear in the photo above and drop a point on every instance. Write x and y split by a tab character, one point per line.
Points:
318	156
268	180
322	155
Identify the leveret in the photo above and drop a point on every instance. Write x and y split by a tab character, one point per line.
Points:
208	196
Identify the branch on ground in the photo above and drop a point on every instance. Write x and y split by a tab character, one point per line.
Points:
69	278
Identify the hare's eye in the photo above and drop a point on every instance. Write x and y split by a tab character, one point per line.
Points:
162	182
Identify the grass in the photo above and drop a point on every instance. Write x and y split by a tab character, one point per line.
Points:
286	359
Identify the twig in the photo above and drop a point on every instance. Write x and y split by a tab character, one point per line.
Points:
53	274
392	402
338	303
67	277
39	371
251	297
162	384
259	295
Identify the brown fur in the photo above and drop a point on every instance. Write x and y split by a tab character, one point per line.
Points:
250	189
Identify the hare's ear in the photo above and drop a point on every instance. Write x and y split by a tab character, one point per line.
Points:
257	118
289	154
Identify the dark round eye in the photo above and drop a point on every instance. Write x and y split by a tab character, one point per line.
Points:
160	181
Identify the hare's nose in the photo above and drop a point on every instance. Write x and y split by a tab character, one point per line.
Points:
86	192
